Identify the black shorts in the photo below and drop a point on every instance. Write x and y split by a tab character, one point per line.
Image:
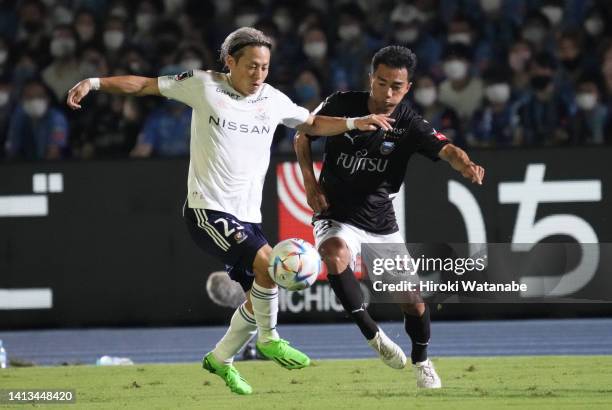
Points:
233	242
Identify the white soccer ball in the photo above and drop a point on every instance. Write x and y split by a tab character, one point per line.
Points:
294	264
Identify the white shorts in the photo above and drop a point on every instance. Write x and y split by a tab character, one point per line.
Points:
353	236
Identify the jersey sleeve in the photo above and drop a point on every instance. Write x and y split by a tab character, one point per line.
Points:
290	114
329	107
186	87
429	141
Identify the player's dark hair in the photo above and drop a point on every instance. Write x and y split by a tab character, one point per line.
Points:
395	57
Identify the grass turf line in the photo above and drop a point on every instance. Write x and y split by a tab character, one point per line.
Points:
542	382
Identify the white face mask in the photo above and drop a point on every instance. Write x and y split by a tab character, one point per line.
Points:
4	98
283	21
554	14
460	38
35	107
144	21
113	39
223	7
315	49
62	47
3	56
191	64
407	35
425	96
348	31
63	15
534	34
498	93
490	6
594	26
455	69
246	20
586	101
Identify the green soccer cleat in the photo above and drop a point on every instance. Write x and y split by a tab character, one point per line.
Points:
228	373
283	354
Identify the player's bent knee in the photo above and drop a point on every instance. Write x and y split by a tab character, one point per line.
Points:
260	267
413	309
336	255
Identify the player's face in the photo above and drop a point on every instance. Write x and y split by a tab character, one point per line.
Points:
250	70
388	86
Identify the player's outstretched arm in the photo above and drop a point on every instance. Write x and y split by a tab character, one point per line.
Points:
327	126
314	194
460	161
125	85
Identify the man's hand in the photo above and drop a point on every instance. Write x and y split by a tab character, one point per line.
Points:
374	121
77	93
460	161
316	197
473	172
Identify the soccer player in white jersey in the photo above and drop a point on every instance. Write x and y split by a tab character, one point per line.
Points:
233	122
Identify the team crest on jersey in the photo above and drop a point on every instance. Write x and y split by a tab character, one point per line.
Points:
387	147
262	116
184	75
240	237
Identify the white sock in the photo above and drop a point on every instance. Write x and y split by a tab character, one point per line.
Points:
265	309
242	328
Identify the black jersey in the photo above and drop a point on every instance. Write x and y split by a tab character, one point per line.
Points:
362	171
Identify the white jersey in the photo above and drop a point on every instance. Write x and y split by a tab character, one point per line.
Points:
231	137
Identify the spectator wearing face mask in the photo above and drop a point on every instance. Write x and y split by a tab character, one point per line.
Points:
554	11
544	115
518	60
315	49
6	109
113	38
194	57
32	35
461	91
588	125
498	29
166	132
496	123
86	28
307	92
462	31
409	30
288	44
596	25
6	65
606	74
441	117
354	49
537	30
147	15
65	70
573	61
36	130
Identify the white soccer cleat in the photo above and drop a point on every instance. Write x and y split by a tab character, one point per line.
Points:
426	375
390	353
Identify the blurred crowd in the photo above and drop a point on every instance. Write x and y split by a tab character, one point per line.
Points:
491	73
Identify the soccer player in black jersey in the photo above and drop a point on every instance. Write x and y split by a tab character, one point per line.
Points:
361	173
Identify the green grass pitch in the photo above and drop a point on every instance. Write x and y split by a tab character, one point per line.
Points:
543	382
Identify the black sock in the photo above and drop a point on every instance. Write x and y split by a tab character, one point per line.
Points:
418	328
346	287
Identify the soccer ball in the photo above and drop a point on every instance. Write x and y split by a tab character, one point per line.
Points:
294	264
